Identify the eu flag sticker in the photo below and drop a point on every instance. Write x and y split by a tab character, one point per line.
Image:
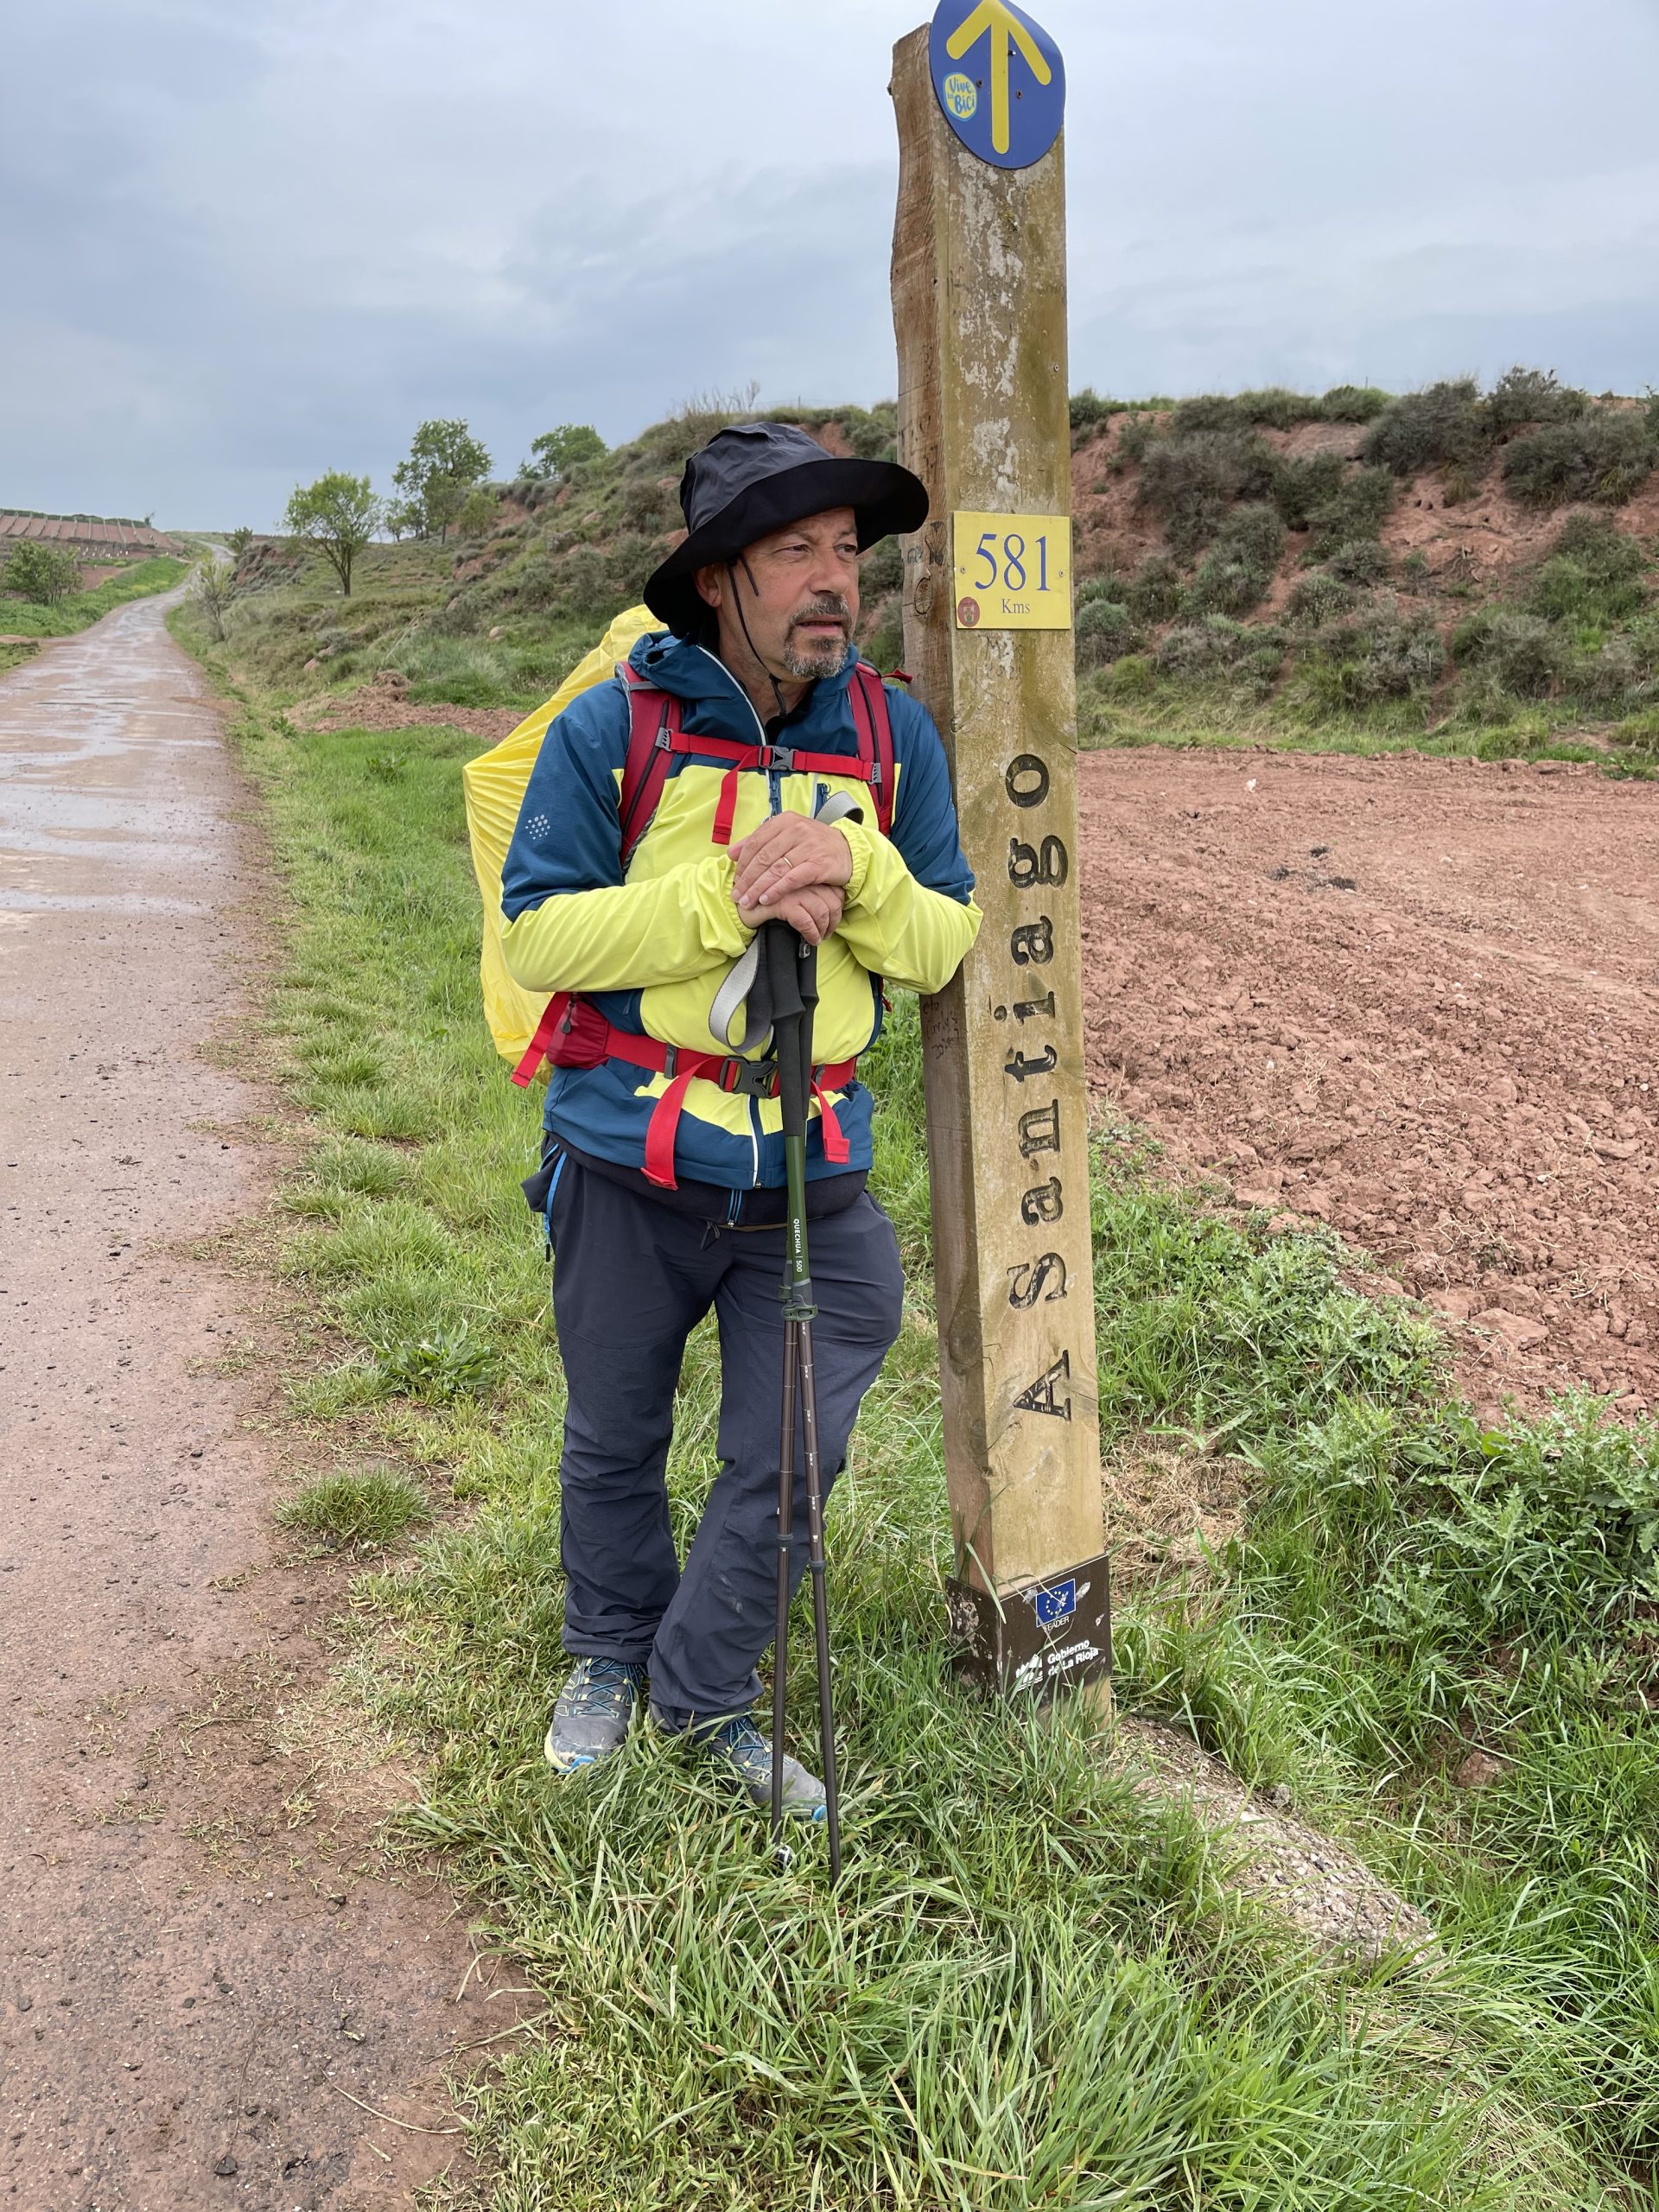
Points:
1057	1605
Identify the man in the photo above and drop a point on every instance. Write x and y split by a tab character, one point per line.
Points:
662	1170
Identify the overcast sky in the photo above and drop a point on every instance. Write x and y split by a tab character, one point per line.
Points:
242	241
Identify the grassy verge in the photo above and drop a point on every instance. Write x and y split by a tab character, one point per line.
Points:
1035	1986
82	608
1226	718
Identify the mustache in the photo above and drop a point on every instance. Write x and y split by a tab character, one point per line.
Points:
829	607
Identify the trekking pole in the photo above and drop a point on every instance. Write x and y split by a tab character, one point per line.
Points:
792	970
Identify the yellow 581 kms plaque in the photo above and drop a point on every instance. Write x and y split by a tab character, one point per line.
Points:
1013	572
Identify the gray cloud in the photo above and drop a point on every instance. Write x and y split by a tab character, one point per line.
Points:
241	246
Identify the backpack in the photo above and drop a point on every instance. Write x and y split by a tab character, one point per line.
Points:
493	787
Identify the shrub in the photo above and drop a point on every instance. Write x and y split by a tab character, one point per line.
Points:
1388	655
1091	413
1523	395
648	504
885	646
1210	412
1254	533
629	561
1592	574
1278	409
1196	653
1132	677
1519	650
1234	576
1134	441
478	512
1441	426
1105	586
1358	508
882	569
1223	585
43	575
1641	731
1414	571
1361	561
1320	598
1606	456
1301	486
1354	402
1613	676
1154	592
1190	481
1105	631
871	432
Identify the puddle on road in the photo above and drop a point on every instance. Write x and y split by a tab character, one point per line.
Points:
113	902
86	796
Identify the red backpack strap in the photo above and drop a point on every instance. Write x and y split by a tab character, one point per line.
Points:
541	1043
876	739
653	724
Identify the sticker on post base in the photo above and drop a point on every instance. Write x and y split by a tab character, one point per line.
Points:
1013	572
1000	80
1036	1634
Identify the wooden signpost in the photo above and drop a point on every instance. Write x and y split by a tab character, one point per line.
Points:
979	306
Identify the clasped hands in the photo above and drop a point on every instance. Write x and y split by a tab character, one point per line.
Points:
794	869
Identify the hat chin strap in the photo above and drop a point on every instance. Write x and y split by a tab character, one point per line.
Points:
737	602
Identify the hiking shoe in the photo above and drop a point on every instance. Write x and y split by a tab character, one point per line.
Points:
590	1719
746	1755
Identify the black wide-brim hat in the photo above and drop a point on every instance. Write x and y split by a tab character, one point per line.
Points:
757	477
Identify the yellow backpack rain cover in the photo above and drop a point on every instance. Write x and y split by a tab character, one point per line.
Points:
493	785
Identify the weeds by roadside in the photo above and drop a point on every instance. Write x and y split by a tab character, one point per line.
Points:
1036	1986
80	609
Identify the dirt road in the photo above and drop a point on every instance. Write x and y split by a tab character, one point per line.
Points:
1416	999
193	1986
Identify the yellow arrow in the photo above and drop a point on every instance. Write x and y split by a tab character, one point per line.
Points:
1000	20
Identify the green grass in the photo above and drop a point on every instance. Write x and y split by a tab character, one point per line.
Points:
1115	710
1035	1986
371	1510
82	608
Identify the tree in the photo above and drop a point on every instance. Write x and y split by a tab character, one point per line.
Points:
478	512
403	519
555	453
213	587
239	540
445	462
41	574
338	514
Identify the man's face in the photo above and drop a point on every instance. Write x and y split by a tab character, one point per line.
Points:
798	595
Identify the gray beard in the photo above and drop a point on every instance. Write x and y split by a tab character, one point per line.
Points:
811	662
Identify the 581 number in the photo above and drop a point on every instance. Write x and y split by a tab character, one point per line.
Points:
1005	558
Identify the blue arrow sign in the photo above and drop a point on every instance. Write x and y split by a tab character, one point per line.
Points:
1000	80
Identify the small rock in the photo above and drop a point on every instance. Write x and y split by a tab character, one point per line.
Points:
225	2167
1476	1771
1519	1333
1279	1796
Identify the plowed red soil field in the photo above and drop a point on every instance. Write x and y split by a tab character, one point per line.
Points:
1417	1000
